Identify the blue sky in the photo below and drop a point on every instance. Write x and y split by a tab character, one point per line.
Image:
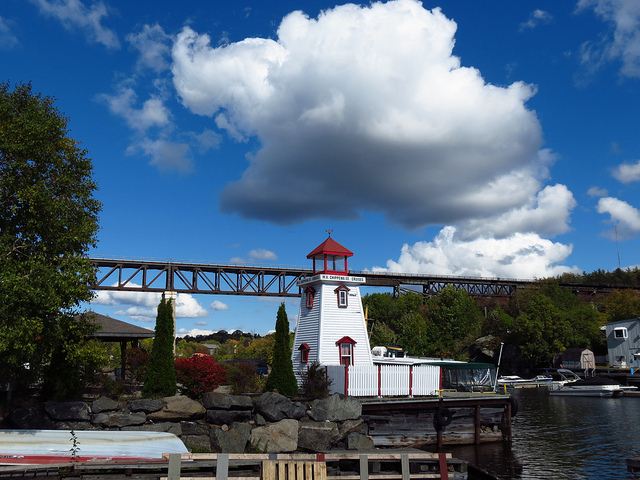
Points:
467	138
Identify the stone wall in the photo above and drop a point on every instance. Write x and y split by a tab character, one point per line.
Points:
225	423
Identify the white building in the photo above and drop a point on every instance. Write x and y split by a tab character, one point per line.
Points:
623	343
331	328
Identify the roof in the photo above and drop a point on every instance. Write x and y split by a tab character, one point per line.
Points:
331	247
114	330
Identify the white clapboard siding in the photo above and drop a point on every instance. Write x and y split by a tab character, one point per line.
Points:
384	380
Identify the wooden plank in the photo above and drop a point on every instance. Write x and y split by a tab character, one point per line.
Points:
174	466
404	462
222	468
268	471
319	471
364	467
444	469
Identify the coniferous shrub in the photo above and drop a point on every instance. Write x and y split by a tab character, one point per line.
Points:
282	377
160	380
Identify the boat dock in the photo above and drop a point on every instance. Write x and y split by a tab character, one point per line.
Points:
345	465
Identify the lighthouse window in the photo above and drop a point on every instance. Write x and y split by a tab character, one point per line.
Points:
304	352
310	294
345	354
343	294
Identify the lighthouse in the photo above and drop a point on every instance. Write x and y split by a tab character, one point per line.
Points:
331	328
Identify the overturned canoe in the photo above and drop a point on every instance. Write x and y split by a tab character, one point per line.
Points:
62	446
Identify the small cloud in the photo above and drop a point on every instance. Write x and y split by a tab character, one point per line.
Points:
536	18
194	332
201	324
262	254
74	14
217	305
7	39
597	192
624	216
627	172
153	45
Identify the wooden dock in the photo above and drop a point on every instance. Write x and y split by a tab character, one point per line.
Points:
344	465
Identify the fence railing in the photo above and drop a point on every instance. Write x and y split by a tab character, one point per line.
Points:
384	380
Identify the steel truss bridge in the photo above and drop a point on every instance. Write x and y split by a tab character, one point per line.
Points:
195	278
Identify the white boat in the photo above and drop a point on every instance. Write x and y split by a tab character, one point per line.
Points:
21	447
570	384
514	381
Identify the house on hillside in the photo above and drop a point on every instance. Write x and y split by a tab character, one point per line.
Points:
623	343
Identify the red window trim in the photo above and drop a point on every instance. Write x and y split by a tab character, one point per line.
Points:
304	352
310	294
338	292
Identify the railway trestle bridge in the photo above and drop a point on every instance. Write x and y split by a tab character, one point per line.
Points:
197	278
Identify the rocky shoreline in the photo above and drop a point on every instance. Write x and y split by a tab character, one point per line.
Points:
223	423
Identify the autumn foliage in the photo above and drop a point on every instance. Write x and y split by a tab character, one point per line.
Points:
199	374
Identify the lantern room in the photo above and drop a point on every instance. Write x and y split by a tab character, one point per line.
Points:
330	258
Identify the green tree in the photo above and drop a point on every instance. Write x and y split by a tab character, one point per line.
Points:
160	380
48	222
282	377
622	305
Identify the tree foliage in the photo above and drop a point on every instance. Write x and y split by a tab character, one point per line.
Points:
282	377
199	374
160	380
48	222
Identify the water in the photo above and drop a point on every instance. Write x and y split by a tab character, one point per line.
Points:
560	438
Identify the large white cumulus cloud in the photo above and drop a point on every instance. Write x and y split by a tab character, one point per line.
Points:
367	108
522	255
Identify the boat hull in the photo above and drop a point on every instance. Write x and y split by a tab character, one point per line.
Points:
38	447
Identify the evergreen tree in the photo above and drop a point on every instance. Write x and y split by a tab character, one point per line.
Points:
160	380
48	222
282	377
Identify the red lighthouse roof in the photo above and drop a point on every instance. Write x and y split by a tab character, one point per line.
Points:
331	258
330	247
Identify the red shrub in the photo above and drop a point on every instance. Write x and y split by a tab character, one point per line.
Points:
199	374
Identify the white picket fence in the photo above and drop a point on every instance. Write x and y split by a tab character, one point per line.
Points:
384	380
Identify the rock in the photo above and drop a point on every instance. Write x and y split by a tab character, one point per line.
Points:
194	428
104	404
121	419
350	426
317	436
30	418
336	408
223	401
199	443
178	408
146	405
77	411
226	417
233	440
75	426
259	420
357	441
275	407
276	438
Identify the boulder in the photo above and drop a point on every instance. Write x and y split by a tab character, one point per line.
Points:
76	411
178	408
357	441
232	440
223	401
199	443
104	404
335	408
317	436
275	407
30	418
120	419
351	426
194	428
156	427
227	417
276	438
146	405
